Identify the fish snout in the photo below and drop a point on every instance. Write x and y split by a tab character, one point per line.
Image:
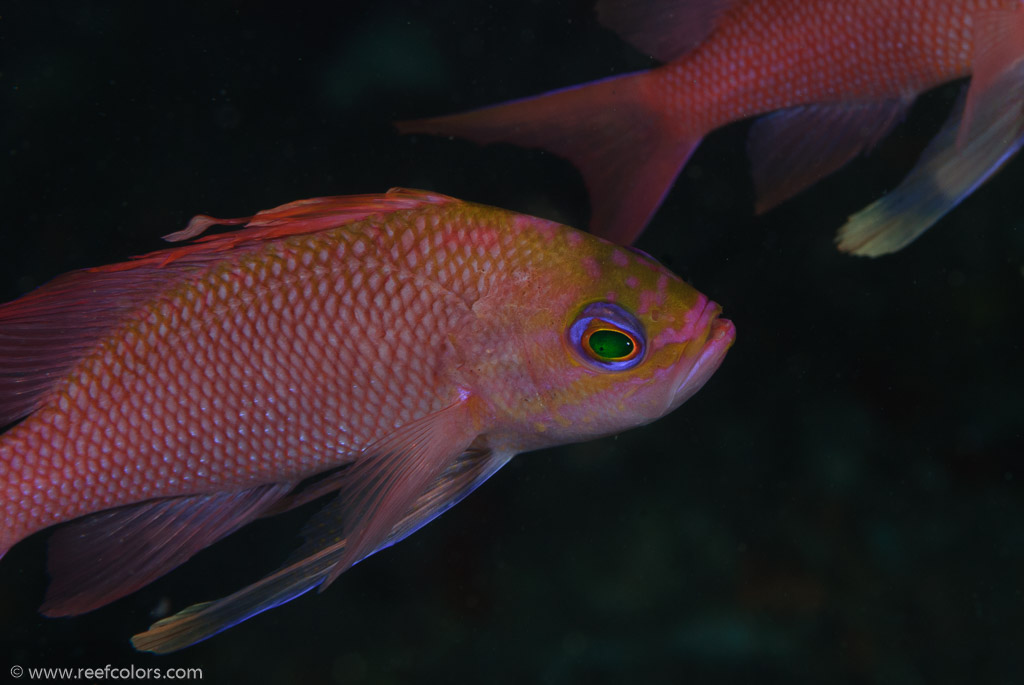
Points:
704	352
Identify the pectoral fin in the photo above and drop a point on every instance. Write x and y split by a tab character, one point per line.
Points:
409	479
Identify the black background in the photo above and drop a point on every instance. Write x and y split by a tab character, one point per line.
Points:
841	503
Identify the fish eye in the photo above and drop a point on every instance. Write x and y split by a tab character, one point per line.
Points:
609	343
608	337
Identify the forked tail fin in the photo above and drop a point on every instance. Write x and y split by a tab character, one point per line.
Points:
628	151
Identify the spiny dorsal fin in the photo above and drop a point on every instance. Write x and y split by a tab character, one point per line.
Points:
295	218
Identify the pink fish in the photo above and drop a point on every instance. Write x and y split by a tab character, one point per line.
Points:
836	76
394	349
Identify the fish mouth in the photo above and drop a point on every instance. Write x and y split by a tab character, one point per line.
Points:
707	350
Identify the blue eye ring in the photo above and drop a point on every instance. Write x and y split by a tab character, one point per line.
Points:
607	318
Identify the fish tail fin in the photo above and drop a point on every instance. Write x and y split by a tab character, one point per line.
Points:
985	130
628	151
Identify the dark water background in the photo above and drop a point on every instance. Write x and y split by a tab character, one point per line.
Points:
844	501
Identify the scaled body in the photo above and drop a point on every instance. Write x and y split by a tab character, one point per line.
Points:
405	345
835	76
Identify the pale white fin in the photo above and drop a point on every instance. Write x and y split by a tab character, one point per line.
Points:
341	534
960	158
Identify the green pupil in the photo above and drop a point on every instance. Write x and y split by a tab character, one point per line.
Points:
608	344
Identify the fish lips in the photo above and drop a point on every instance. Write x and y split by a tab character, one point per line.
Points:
706	351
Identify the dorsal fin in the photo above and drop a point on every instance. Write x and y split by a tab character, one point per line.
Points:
664	29
295	218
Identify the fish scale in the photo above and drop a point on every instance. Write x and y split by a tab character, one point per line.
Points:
831	79
281	360
858	51
392	351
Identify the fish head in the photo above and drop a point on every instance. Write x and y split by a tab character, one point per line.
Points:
593	339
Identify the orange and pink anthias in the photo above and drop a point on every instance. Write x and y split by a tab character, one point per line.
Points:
833	78
400	347
394	351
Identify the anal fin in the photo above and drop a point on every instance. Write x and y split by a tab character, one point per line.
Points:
103	557
793	148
